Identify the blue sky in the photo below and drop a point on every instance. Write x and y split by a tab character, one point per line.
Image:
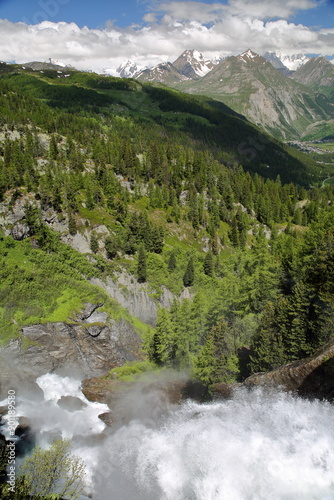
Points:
94	14
102	34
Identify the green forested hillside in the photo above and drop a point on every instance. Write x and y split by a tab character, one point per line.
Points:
190	197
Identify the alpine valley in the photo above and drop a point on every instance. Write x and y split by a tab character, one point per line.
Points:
164	243
289	97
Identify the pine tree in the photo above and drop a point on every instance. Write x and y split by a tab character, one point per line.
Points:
217	361
94	244
189	275
172	262
141	265
111	247
267	346
163	341
208	264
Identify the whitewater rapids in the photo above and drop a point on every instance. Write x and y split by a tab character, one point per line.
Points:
257	446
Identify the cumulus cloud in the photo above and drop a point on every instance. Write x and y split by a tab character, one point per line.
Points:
167	30
269	10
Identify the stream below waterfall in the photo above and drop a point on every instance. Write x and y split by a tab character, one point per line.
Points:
259	445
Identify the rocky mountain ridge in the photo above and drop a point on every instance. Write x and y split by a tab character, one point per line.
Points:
316	72
249	84
260	88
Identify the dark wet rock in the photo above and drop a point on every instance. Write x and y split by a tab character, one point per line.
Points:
24	426
224	391
312	377
27	439
71	403
107	418
54	347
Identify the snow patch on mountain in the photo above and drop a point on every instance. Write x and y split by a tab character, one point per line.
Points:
192	64
128	69
292	61
247	56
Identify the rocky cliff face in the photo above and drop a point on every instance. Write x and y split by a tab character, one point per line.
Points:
317	72
12	222
88	348
135	297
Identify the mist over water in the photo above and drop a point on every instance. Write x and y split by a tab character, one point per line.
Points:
257	446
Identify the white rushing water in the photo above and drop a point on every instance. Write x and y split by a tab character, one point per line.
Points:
256	446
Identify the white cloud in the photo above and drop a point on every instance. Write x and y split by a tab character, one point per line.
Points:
269	9
214	29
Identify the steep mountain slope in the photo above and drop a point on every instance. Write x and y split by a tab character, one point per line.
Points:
192	64
207	122
250	85
163	73
274	61
317	72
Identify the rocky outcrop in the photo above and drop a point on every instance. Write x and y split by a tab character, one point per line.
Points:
135	297
148	397
311	377
20	231
13	222
86	349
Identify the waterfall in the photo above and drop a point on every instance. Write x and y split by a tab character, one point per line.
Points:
259	445
256	446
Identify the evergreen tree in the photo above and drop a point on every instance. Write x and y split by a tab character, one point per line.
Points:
208	264
267	346
94	244
141	265
72	227
172	262
217	361
111	247
163	340
189	275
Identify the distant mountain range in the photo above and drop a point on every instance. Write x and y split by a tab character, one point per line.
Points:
193	65
49	64
289	96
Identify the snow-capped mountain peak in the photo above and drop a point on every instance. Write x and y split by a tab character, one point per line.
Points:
192	64
127	69
247	56
292	61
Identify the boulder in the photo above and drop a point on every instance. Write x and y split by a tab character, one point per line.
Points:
107	418
71	403
312	376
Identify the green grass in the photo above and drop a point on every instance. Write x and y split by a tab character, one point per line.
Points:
40	287
129	372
